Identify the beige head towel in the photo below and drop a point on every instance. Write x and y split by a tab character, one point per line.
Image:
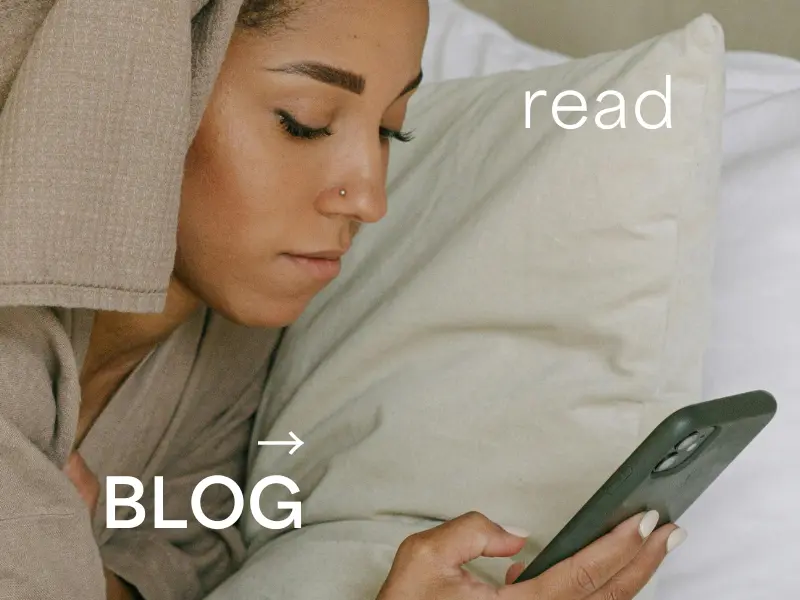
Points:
99	101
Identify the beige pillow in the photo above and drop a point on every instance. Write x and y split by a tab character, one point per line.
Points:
532	306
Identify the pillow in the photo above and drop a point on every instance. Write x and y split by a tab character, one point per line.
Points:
464	43
533	305
754	311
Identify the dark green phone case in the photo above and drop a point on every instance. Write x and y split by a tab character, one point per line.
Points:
726	426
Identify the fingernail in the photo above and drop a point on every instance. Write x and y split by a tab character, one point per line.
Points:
517	532
648	524
675	539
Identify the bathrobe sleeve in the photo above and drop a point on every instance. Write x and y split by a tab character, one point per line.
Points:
187	563
47	549
211	440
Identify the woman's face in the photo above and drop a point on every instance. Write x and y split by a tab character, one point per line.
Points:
296	116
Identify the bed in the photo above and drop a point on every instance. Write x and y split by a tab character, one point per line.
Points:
534	305
744	527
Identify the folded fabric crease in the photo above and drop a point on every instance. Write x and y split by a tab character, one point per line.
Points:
96	116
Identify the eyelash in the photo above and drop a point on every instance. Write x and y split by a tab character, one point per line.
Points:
297	130
400	136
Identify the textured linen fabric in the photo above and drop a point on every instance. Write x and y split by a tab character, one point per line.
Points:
185	413
99	103
755	329
535	302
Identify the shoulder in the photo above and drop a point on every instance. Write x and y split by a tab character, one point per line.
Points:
39	385
33	338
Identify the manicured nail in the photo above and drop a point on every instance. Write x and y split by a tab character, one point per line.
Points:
675	539
521	533
648	524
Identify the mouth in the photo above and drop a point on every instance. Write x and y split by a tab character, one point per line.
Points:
335	254
323	266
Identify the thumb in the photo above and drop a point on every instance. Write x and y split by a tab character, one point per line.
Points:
514	571
470	536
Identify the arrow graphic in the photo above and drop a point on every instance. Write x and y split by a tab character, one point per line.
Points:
296	443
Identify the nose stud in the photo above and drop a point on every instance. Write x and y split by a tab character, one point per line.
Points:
342	192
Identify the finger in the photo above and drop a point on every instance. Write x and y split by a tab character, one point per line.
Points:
626	584
83	479
590	569
461	540
514	571
76	469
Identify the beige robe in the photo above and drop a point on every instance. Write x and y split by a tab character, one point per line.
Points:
99	102
88	210
184	413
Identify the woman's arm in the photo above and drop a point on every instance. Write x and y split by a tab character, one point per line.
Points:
48	550
88	487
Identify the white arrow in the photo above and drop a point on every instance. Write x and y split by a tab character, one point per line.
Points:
296	443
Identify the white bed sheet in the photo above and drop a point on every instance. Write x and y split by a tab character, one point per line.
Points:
746	525
744	531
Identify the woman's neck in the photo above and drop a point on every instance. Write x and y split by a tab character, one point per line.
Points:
119	341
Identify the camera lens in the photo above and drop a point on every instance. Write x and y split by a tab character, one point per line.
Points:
667	463
690	443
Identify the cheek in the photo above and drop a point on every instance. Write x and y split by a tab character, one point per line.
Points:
243	188
239	210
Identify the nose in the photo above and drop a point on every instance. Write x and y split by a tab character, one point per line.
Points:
359	195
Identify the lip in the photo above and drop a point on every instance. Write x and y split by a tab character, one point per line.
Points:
319	267
334	254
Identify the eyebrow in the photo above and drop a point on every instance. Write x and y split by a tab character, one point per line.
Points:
335	76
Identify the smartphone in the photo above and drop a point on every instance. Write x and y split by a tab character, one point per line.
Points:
669	470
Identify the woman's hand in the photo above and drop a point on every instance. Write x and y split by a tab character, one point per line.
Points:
88	487
428	564
84	481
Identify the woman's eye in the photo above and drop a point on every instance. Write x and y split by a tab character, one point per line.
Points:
297	130
400	136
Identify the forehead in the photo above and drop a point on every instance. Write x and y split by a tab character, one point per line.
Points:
370	37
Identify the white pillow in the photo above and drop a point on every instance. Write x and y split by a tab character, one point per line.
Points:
754	342
532	306
464	43
745	528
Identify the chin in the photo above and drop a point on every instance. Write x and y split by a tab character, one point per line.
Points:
260	312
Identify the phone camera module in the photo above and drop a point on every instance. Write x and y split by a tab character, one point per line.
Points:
682	451
690	443
667	463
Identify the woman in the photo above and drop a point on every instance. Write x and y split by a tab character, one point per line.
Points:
288	161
